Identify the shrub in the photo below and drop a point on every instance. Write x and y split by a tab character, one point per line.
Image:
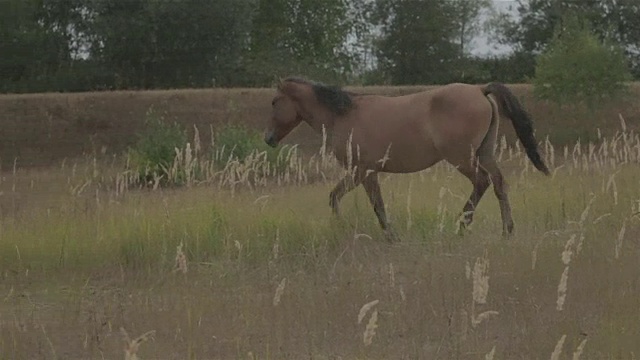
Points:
154	152
579	68
236	142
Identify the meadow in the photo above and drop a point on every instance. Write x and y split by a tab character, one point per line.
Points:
245	260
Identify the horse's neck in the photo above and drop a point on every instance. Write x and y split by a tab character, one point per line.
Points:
320	119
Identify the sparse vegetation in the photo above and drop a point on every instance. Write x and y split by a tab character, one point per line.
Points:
248	266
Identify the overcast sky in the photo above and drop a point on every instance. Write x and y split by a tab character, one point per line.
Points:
483	45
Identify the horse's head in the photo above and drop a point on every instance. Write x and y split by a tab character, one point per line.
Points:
285	114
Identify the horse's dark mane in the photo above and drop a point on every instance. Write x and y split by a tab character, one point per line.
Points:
333	97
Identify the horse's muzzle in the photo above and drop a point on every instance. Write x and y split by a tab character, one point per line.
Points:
270	139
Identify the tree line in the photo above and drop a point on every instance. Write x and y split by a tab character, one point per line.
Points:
83	45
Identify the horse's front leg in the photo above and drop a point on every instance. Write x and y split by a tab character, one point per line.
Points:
348	183
372	186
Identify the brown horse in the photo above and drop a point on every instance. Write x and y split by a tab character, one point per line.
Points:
370	134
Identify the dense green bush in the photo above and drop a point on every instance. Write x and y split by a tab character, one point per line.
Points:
155	150
236	142
577	67
163	156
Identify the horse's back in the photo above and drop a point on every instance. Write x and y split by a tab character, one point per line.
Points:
419	129
457	117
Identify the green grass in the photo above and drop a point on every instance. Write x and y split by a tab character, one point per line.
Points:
82	264
142	228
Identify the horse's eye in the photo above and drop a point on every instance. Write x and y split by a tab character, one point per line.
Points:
273	102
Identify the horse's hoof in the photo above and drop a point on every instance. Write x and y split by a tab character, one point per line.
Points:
392	236
464	227
461	230
507	230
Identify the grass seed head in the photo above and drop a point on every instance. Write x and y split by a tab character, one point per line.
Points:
477	320
279	291
558	349
481	280
181	260
562	289
132	346
568	249
579	349
365	308
490	354
620	238
370	330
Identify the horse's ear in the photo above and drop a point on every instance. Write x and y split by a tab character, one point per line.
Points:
286	87
277	82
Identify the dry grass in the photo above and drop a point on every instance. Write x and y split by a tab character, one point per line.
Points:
41	129
235	266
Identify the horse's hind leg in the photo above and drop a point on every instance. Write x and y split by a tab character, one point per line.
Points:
372	187
479	177
500	189
348	183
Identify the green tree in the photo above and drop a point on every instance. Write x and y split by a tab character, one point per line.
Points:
467	21
37	42
300	36
577	67
416	45
533	27
150	44
466	18
622	23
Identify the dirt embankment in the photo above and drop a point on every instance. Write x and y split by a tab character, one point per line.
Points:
42	129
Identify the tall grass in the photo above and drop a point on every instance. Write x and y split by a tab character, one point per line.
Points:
241	210
243	263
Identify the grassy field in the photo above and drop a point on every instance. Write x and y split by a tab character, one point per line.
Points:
250	266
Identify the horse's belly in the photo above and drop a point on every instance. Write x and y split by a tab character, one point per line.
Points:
402	148
403	155
410	160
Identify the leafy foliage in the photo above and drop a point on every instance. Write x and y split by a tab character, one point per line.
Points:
425	41
465	17
578	67
236	142
300	36
83	45
416	44
154	152
532	30
36	45
148	44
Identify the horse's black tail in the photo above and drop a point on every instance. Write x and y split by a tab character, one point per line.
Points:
520	119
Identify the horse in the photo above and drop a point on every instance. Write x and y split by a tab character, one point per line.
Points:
371	134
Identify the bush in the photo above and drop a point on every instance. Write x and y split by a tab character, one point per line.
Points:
162	155
579	68
154	152
236	142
